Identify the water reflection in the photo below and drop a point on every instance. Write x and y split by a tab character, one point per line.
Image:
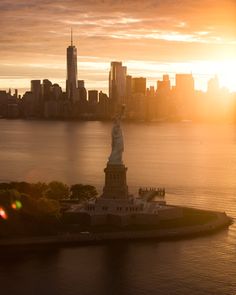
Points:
196	164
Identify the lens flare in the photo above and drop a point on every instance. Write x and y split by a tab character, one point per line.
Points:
3	214
16	205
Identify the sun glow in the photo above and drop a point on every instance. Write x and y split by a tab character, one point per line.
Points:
95	73
225	71
227	74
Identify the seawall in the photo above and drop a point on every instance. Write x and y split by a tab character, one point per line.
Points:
221	221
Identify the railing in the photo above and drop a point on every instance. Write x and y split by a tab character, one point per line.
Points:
150	193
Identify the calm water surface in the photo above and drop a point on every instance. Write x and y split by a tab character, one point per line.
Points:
195	163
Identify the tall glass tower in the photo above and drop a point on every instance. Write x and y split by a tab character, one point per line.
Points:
117	82
72	81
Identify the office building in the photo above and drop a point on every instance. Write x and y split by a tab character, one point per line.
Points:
185	83
82	91
93	97
185	96
163	87
139	85
117	83
72	82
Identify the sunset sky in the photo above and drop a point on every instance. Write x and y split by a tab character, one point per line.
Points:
150	37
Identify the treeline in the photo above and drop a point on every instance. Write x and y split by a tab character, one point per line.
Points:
34	208
53	190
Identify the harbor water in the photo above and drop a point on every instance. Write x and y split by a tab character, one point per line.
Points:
196	164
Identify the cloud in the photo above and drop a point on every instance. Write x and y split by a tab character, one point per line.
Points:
38	32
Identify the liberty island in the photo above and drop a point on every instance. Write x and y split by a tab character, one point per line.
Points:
117	214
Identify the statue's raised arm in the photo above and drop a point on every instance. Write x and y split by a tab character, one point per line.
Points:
117	140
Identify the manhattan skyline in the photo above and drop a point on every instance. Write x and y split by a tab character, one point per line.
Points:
151	38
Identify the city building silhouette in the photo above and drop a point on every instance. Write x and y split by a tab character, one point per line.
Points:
117	83
165	103
72	81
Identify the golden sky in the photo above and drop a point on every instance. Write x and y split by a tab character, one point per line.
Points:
151	37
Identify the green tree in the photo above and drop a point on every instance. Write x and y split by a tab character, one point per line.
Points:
4	186
29	205
57	190
38	189
83	192
21	187
48	207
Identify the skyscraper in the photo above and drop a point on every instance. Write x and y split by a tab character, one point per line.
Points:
72	82
139	85
46	89
93	97
117	82
213	85
82	91
185	83
36	89
185	95
128	86
163	87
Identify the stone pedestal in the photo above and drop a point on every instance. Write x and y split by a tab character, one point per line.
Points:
115	182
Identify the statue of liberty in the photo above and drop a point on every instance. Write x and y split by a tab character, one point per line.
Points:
117	140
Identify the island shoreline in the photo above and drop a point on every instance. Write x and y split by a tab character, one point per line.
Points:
220	222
